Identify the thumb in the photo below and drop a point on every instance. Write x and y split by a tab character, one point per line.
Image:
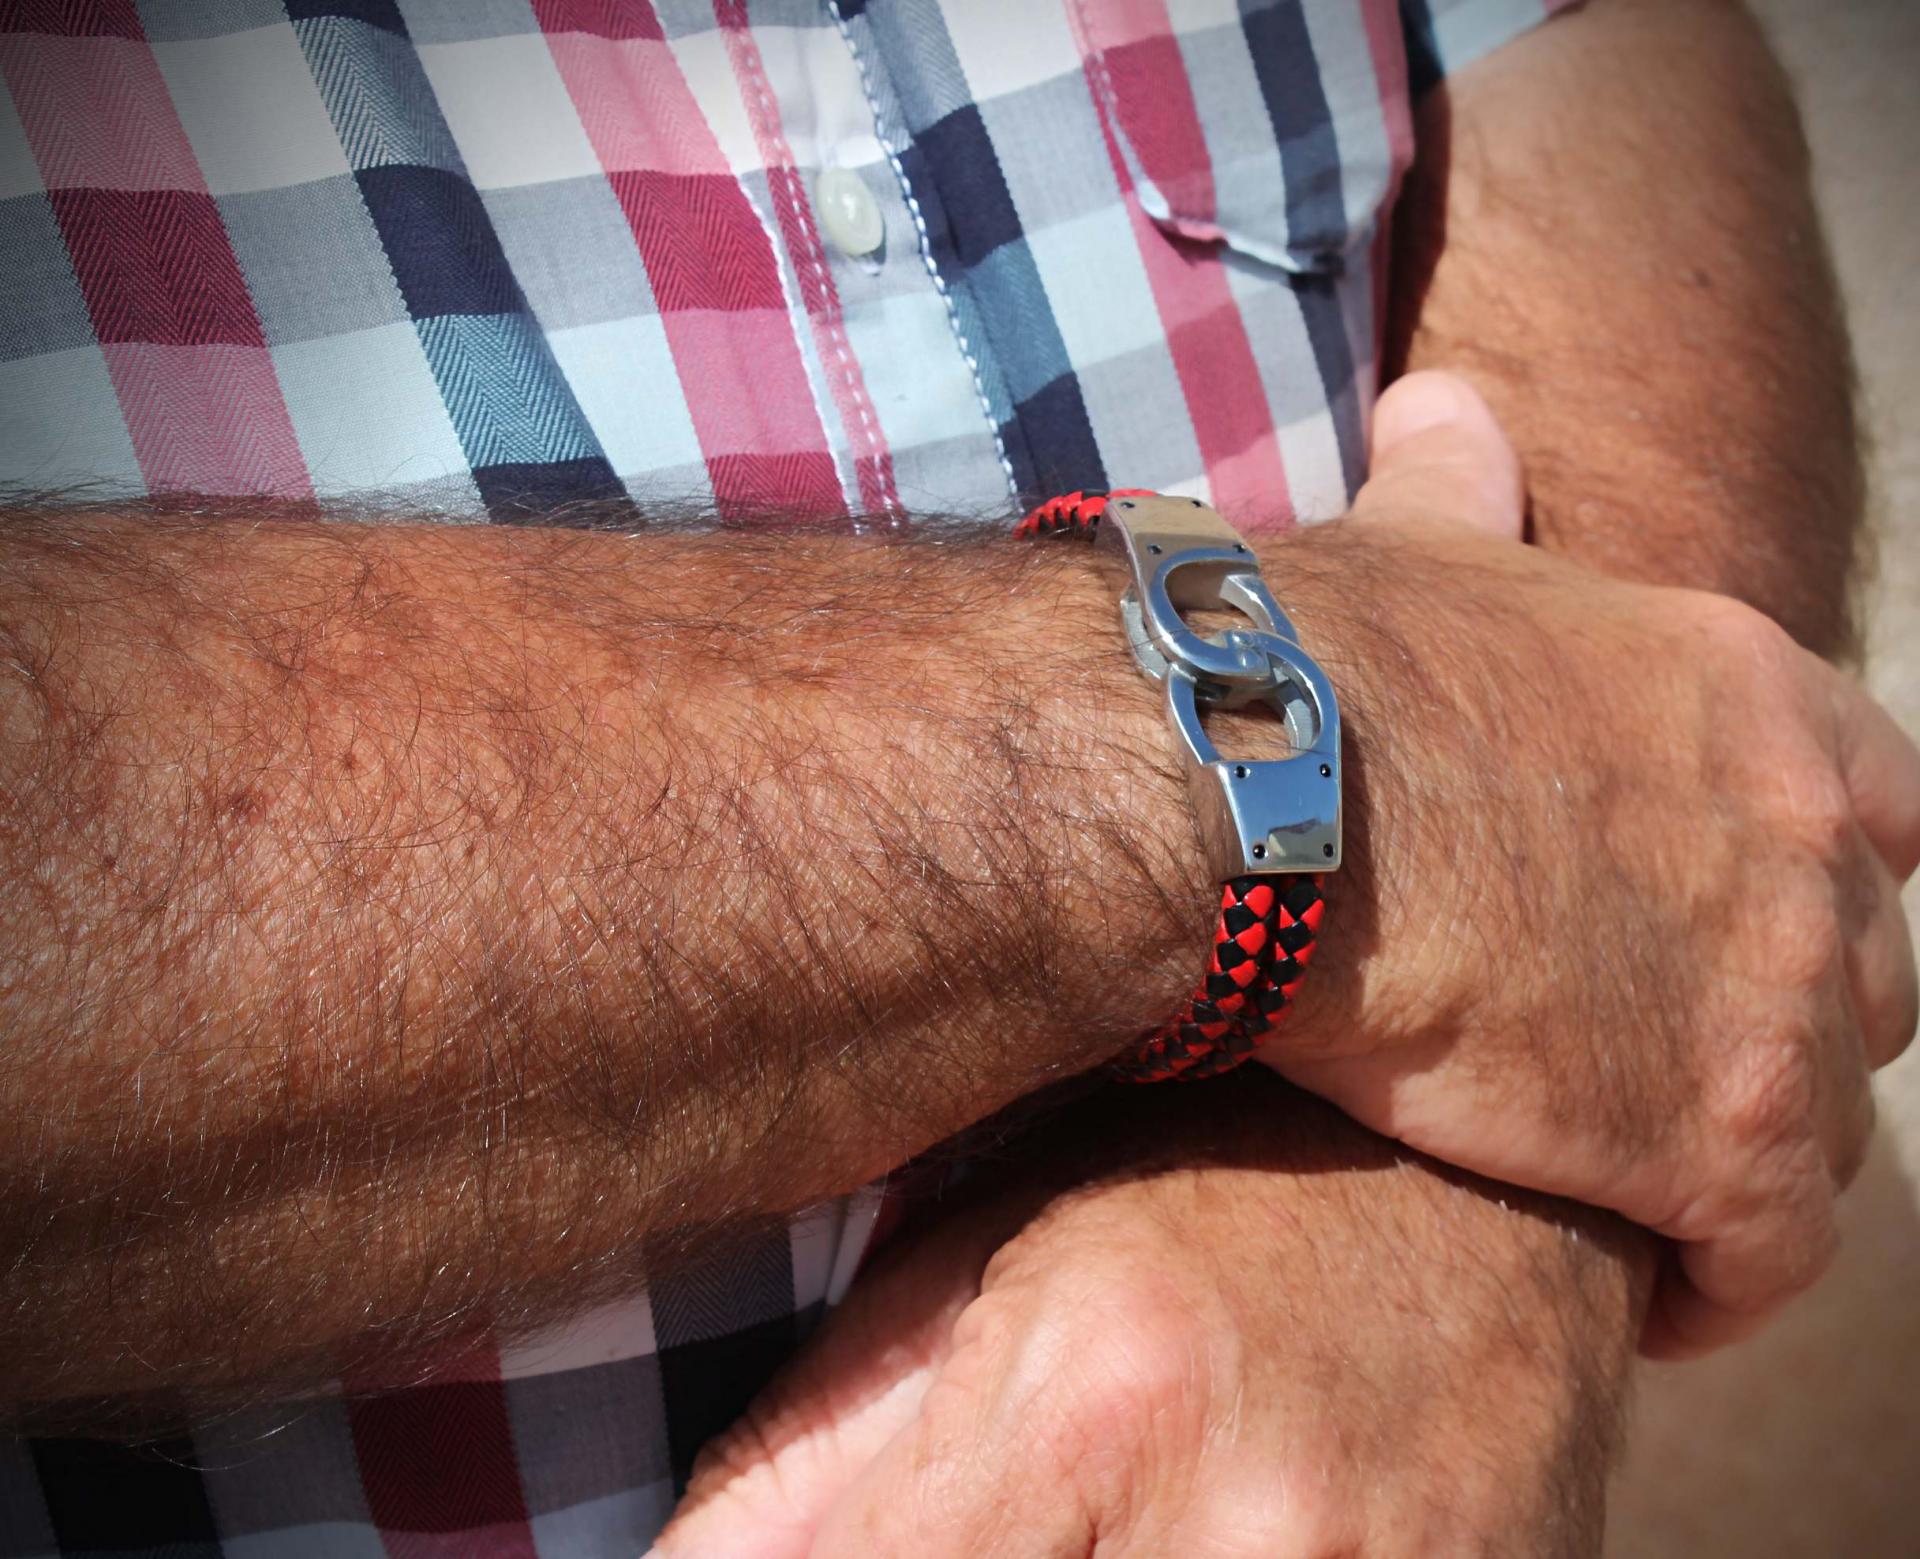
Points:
1439	453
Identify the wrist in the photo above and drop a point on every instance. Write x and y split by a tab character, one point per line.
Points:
1219	652
1130	903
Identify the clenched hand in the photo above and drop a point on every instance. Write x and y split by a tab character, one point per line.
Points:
1626	867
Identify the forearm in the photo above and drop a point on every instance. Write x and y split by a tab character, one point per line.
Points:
1610	233
403	920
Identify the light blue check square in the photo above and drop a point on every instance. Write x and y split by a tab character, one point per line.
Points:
917	377
621	373
286	1472
322	1540
625	1523
459	21
961	477
1097	285
1055	163
169	21
1269	301
250	107
508	111
1127	397
1026	340
1465	30
60	425
368	412
922	67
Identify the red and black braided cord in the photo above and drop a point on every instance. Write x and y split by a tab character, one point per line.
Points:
1267	929
1079	511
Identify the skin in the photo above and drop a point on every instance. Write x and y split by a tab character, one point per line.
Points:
452	916
1610	234
395	1007
1242	1395
1149	1344
1641	163
330	1236
1732	468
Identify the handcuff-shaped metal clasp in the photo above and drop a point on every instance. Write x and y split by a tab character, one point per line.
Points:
1255	815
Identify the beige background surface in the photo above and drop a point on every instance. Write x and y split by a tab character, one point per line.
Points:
1807	1441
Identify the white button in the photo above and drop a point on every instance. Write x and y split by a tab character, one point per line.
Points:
849	215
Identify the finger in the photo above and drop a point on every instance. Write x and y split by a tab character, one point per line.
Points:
1719	1291
1437	450
1881	766
1879	958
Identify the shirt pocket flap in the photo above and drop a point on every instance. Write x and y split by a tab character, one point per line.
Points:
1280	132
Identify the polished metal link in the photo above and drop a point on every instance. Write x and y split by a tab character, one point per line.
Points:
1255	815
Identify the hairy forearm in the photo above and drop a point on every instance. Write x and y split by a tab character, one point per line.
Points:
1610	232
403	920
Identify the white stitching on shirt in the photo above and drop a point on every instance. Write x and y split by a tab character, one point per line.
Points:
926	247
816	260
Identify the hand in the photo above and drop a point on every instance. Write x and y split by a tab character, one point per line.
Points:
1279	1338
1625	864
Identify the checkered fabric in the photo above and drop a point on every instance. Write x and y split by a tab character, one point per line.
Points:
483	258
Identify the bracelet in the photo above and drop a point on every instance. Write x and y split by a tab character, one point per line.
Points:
1270	914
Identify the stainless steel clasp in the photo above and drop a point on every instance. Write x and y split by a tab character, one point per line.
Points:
1255	815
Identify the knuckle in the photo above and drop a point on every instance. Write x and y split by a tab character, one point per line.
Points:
1291	1519
1747	637
1777	1227
1816	807
1801	943
1755	689
1767	1100
1106	1363
1814	1241
1123	1411
1149	1365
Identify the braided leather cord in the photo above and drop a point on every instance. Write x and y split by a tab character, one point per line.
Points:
1267	929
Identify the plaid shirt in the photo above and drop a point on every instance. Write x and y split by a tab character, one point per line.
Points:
486	257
